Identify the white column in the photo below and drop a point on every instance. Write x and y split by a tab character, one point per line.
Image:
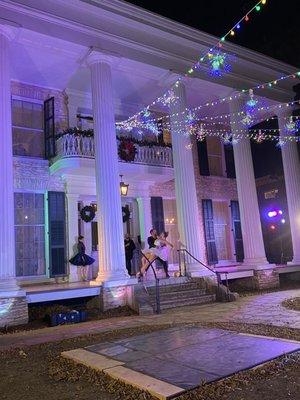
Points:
145	218
110	224
185	186
291	168
254	250
72	214
7	233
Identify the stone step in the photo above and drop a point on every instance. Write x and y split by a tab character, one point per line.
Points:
209	298
181	294
174	288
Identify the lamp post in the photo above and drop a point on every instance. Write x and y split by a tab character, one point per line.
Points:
123	187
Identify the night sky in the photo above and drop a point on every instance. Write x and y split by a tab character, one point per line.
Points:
274	31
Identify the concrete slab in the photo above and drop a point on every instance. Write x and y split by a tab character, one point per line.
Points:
169	361
157	388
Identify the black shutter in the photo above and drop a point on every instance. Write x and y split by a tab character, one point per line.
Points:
157	211
49	128
237	230
229	160
57	234
208	217
203	157
94	235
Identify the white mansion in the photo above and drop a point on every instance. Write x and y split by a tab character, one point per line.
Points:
88	64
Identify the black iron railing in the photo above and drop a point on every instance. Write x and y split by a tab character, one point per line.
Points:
157	293
182	253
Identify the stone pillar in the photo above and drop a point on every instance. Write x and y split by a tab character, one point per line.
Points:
13	306
72	215
110	224
185	186
145	219
254	250
291	168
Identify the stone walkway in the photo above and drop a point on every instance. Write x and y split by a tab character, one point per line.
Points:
258	309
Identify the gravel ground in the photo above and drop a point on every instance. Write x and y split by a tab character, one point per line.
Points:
38	371
292	304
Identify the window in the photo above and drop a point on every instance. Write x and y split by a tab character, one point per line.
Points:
27	129
214	151
30	234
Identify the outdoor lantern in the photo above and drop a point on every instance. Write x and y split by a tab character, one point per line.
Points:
123	187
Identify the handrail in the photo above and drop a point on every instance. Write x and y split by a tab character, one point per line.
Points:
198	261
157	293
217	274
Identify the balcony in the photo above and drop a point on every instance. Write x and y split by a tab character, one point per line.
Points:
79	146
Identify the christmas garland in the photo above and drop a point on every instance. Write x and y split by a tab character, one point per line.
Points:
87	213
125	213
90	133
126	150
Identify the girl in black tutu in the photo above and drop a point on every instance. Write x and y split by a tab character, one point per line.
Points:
81	259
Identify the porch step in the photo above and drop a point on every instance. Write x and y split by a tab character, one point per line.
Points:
180	294
176	288
181	302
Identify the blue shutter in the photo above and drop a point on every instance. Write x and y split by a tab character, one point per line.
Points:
49	128
157	211
208	218
57	233
237	230
203	158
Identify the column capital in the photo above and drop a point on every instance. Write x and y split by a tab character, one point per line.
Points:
284	111
95	56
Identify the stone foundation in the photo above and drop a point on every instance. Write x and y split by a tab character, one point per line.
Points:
13	311
115	296
266	279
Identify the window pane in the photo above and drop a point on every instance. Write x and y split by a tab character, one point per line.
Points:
30	234
28	143
214	146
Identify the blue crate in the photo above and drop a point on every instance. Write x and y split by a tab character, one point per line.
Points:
71	317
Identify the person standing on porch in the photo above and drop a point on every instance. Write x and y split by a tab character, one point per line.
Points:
151	239
81	259
129	249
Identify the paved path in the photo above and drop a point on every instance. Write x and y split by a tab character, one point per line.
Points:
258	309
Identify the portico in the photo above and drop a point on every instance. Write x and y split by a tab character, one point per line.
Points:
84	82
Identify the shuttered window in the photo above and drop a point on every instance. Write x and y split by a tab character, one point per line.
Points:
57	234
237	230
49	128
208	217
157	210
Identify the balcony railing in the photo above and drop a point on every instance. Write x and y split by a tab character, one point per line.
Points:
83	146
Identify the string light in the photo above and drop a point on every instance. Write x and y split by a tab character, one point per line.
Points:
194	67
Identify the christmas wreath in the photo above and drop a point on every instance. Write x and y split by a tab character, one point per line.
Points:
87	213
125	213
127	150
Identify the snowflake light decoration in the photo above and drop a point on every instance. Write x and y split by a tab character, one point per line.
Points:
291	126
227	138
200	134
247	120
168	98
281	142
252	103
259	138
219	63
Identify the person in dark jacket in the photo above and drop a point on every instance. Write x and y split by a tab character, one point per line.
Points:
81	259
151	239
129	249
